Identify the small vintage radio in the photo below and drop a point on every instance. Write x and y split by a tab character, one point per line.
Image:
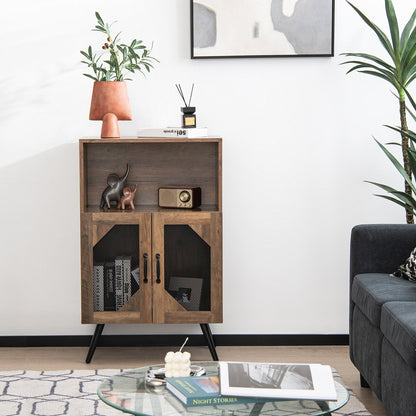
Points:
179	197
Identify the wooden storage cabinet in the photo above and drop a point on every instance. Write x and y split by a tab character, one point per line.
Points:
178	251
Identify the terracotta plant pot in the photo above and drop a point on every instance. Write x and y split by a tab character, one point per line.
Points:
110	103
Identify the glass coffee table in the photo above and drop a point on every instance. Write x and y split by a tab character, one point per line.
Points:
130	393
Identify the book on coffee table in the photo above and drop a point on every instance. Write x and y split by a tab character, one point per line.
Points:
277	381
203	391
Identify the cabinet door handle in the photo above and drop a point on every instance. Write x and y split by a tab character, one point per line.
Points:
145	268
158	268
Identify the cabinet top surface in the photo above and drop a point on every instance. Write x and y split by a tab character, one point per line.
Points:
150	140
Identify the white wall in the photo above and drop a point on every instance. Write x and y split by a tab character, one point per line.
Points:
297	148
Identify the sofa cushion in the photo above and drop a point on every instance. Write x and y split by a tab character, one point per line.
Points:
398	325
371	290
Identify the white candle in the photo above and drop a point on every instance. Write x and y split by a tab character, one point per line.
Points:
177	364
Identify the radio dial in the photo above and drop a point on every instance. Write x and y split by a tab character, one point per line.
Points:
184	196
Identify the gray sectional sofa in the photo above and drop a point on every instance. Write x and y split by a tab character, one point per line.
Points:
383	314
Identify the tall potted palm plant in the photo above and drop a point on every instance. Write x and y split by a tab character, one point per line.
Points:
399	71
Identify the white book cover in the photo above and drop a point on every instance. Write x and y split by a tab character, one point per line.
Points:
190	133
98	295
277	381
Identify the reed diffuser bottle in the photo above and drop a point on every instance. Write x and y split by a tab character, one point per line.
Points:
188	116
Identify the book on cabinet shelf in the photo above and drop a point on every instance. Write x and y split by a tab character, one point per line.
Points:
98	279
114	283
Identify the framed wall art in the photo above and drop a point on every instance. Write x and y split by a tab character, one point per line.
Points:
187	291
261	28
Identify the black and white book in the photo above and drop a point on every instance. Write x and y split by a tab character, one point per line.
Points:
118	283
126	261
109	287
277	381
98	287
123	280
190	133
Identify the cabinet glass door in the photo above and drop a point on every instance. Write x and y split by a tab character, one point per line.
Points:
187	275
119	287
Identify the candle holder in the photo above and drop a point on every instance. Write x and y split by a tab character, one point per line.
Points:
188	117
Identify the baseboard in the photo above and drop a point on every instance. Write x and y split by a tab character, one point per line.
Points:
170	340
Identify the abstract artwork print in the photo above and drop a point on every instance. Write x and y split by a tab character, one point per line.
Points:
262	28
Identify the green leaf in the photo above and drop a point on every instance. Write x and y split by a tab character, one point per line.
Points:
410	134
361	64
408	58
412	101
395	201
370	58
90	52
100	20
406	32
394	27
380	34
399	194
98	29
382	76
85	54
412	160
398	166
90	76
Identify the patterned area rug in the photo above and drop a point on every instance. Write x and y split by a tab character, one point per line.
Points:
74	393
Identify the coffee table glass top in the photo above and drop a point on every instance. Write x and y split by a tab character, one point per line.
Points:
129	392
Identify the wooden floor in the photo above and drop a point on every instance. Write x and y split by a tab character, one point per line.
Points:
132	357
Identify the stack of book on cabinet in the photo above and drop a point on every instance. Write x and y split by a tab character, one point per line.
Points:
240	382
114	283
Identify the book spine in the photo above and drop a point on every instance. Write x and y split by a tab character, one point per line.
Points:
126	279
109	289
118	283
98	290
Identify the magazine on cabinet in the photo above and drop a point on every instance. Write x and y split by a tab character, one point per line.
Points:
277	381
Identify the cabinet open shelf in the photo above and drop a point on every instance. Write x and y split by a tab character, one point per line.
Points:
153	163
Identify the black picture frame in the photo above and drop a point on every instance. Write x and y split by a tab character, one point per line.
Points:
187	291
301	35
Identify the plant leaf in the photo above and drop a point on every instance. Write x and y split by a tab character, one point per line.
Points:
90	76
380	34
386	78
408	200
406	32
394	27
396	201
100	20
398	166
370	58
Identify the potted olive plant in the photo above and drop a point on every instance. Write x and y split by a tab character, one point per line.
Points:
110	69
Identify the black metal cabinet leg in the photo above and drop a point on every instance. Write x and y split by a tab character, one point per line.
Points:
210	340
94	341
363	382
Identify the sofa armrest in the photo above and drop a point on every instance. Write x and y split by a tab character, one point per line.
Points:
380	248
